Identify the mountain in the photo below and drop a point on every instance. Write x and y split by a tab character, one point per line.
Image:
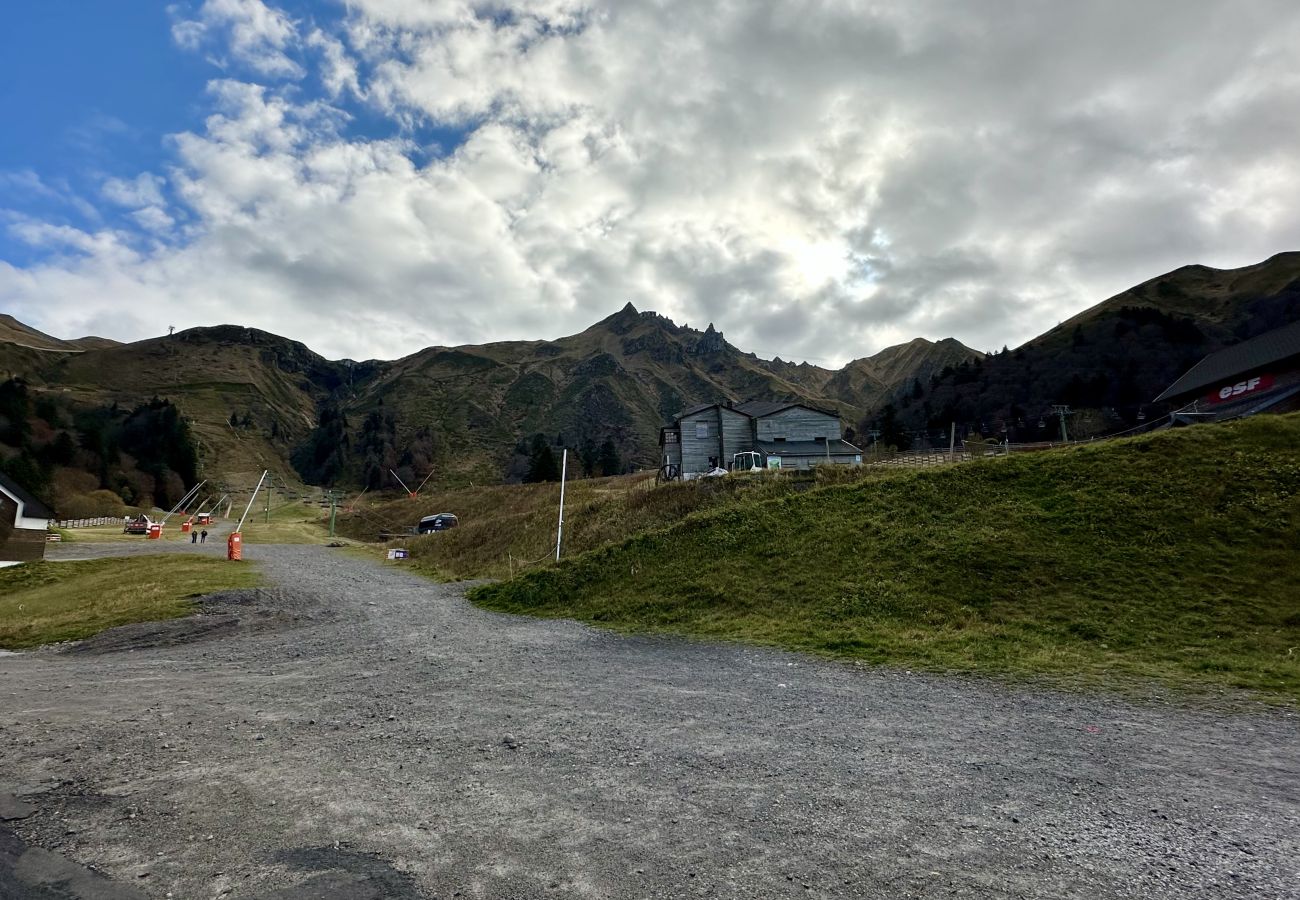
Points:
875	380
1108	363
250	396
257	400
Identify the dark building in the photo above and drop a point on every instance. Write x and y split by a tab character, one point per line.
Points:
1258	375
757	434
23	524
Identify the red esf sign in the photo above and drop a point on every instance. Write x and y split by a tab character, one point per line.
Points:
1255	385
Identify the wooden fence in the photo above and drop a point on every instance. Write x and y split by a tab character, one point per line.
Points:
87	523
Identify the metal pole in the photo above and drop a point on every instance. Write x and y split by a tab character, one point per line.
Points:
183	500
952	444
426	481
559	534
334	504
268	504
240	526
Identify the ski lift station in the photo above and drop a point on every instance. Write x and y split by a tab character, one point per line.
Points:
758	434
1258	375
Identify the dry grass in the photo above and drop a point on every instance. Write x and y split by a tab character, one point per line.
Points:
507	528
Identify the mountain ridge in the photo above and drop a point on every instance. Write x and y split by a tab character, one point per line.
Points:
260	400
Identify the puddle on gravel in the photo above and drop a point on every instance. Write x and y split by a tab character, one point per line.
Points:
345	875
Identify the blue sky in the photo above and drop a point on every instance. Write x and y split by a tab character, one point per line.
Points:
89	89
377	176
95	89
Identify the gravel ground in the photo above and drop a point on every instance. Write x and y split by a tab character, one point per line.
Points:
359	732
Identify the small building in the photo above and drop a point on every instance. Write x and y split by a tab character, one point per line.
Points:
24	523
786	435
1258	375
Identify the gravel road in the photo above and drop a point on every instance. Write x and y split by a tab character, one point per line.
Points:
357	732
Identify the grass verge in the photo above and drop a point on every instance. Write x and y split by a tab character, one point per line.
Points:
44	602
1170	557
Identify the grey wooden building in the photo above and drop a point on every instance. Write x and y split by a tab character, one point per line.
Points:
757	434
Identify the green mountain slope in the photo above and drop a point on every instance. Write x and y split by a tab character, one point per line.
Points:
1111	361
269	385
1136	557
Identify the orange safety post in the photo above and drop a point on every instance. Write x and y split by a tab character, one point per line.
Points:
155	531
234	546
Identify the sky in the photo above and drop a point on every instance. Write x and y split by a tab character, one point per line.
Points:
818	178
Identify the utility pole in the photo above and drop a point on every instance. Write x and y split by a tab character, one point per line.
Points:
1062	411
559	532
268	502
334	505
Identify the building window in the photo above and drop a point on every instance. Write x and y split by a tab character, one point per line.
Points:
701	430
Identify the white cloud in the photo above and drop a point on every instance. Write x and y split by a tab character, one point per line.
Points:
257	35
820	178
144	190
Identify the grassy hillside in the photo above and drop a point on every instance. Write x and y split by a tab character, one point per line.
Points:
507	527
1170	556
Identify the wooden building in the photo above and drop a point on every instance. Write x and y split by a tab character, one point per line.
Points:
1258	375
24	521
786	435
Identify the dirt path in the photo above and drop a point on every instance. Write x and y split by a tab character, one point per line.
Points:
373	735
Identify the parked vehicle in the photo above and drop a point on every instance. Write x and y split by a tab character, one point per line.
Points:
138	525
440	522
753	461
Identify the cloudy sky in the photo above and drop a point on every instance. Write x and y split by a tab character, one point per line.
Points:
820	178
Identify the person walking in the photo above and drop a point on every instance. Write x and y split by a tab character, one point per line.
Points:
194	537
203	536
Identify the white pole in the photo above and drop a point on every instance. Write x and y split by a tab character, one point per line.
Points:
189	495
559	534
240	526
402	483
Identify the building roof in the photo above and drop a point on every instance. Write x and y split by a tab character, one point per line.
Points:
755	409
32	508
699	407
807	448
759	408
1217	368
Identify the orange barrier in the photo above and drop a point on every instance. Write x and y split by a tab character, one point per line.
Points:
185	527
155	531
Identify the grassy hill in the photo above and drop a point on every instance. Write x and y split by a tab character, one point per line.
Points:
505	528
1170	556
